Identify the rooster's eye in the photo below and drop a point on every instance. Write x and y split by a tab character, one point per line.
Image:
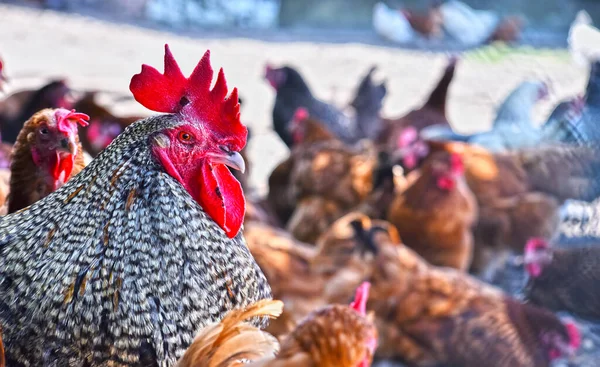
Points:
185	137
44	131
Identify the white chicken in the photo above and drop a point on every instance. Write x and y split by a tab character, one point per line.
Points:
469	26
584	39
391	24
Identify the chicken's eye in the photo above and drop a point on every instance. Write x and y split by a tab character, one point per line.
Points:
185	137
225	148
44	131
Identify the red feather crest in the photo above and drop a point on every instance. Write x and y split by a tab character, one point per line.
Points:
172	92
66	121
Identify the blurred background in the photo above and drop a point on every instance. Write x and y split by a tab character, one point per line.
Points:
100	44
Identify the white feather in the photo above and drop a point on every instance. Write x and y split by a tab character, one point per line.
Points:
584	39
469	26
391	24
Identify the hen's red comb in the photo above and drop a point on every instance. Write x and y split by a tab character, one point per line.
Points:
67	121
172	92
574	335
360	298
456	163
536	243
407	136
301	114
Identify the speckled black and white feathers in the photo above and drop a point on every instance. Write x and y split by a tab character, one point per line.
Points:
119	267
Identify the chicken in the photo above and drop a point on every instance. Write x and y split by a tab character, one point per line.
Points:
341	251
563	279
327	180
566	113
306	130
583	131
519	193
508	29
584	39
46	155
435	215
543	169
281	197
432	316
233	342
428	24
143	247
333	336
367	102
104	126
391	24
387	181
20	106
512	128
433	112
469	26
293	92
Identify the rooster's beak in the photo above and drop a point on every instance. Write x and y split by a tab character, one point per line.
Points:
231	159
67	145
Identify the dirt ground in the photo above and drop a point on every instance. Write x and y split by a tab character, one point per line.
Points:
95	54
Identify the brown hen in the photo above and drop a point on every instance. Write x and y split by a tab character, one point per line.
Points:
427	315
46	155
563	279
332	336
435	215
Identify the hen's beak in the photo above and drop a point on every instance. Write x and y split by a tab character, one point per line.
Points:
67	145
231	159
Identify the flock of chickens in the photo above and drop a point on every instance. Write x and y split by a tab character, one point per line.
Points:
132	244
452	18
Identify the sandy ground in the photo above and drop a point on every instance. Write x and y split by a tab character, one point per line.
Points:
95	54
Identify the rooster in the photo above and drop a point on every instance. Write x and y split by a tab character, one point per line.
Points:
563	279
46	155
143	247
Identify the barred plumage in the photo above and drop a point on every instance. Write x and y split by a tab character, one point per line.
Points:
119	267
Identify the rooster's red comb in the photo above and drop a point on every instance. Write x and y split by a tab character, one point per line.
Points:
66	121
172	92
360	298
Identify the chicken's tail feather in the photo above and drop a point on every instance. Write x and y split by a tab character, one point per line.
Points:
233	340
